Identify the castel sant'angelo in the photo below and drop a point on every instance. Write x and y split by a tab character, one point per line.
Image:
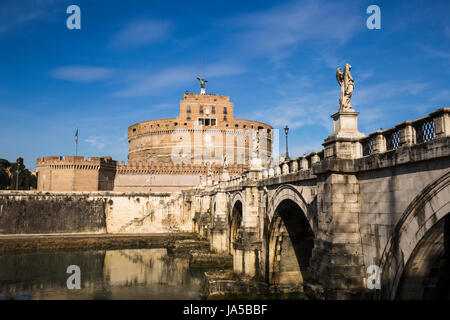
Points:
201	145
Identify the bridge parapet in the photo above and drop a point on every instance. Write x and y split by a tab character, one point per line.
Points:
425	129
303	163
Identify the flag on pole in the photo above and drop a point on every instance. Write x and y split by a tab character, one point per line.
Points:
76	142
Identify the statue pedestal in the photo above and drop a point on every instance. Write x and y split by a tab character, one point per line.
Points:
344	142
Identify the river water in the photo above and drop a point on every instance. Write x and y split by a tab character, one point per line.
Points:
105	274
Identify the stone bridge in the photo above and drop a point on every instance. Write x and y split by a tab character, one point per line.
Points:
321	222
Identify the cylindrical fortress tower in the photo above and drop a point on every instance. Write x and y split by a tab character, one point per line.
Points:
206	131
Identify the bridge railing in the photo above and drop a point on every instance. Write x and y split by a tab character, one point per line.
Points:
425	129
302	163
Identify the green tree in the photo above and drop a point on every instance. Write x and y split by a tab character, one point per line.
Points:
5	164
4	176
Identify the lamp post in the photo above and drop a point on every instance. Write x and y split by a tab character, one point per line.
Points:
286	131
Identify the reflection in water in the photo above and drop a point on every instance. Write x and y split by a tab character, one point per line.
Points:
110	274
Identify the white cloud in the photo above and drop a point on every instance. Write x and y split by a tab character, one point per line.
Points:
81	73
280	31
141	33
370	94
15	14
435	52
305	108
330	59
443	95
149	83
96	143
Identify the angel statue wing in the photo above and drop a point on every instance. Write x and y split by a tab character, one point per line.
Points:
339	76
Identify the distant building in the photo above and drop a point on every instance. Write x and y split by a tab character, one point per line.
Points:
168	154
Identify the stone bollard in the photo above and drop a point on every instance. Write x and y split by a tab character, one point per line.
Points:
294	166
285	168
315	158
278	171
379	142
303	164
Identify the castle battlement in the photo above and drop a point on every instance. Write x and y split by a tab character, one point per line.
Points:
79	160
207	97
179	169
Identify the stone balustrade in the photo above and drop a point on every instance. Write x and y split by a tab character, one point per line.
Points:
407	133
302	163
435	125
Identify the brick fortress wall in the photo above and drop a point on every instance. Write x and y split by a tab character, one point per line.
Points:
75	173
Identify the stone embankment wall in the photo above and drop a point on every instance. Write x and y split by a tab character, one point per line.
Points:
34	212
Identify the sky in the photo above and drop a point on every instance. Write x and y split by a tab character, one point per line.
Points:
131	61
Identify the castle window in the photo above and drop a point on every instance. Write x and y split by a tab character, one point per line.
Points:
213	122
225	118
224	110
189	109
213	110
245	126
188	117
236	125
207	122
134	129
175	123
201	121
201	109
186	123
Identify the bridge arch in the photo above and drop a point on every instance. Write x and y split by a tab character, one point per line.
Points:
416	260
290	192
290	238
236	213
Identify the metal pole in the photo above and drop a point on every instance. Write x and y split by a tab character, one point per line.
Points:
287	152
286	131
17	177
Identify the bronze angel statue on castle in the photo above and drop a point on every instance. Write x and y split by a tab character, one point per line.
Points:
345	80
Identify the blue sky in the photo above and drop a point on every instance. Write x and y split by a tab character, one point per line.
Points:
132	61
